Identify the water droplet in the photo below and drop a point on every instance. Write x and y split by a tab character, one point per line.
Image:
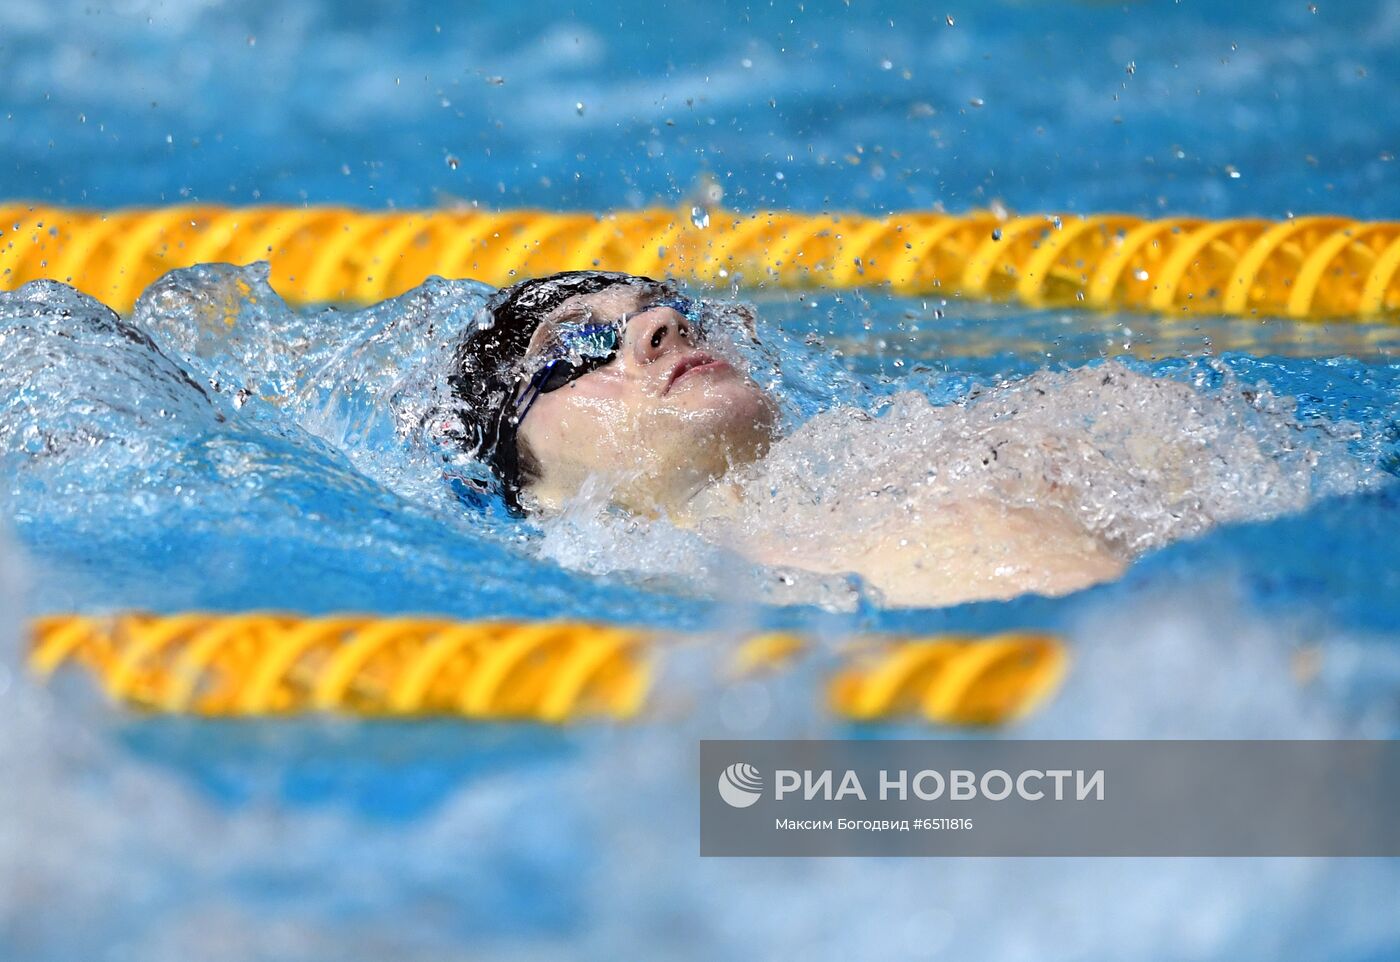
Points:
452	162
579	108
700	217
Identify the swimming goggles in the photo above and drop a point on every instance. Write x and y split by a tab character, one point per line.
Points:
577	348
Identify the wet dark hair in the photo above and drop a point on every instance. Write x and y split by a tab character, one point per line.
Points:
485	371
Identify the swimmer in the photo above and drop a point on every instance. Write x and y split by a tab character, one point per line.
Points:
597	377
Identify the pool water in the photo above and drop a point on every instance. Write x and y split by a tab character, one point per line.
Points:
172	460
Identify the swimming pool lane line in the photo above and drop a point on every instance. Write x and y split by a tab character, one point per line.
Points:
1306	268
266	664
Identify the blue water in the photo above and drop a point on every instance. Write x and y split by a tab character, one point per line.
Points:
784	104
145	467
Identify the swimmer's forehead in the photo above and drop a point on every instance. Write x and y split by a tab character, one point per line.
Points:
609	303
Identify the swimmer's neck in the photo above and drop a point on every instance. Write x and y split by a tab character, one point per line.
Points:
717	497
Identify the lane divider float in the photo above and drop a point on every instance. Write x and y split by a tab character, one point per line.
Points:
1307	268
271	664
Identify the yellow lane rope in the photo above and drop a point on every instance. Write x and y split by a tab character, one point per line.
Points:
276	664
1307	268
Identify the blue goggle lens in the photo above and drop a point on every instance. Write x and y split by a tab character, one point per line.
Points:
581	347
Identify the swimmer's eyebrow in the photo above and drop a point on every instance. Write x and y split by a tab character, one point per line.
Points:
572	314
578	313
547	328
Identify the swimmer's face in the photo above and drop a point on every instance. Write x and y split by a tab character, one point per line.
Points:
657	422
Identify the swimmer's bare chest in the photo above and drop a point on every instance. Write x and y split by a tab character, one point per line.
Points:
977	549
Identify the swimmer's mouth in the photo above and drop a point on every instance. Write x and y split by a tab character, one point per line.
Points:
698	361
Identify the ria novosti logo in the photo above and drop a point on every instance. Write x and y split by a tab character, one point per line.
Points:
740	785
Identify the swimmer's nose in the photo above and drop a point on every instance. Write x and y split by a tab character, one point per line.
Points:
658	332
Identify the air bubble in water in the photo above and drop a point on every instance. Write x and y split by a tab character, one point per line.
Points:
578	108
452	162
996	233
700	217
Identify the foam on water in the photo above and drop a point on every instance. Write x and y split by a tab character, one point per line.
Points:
217	400
205	479
367	382
294	479
218	421
1139	460
172	840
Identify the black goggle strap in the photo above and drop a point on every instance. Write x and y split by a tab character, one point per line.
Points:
531	391
503	443
502	453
